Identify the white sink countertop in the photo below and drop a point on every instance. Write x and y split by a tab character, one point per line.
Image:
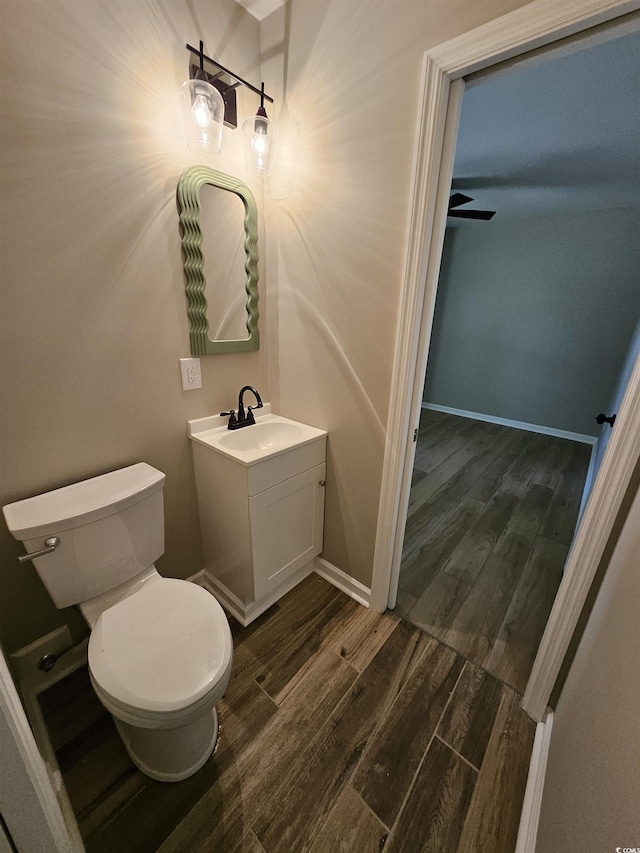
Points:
270	436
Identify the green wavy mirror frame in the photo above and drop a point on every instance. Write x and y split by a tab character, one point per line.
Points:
189	186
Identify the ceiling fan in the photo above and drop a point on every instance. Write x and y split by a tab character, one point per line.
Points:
459	198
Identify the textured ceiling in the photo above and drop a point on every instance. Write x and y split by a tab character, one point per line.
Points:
559	134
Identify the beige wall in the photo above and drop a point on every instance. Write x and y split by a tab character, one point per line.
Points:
590	800
93	307
336	245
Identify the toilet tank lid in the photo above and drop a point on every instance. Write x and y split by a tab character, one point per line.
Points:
83	502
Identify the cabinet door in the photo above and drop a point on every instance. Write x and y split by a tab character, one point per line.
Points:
286	528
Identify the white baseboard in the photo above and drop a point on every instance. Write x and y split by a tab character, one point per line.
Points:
32	681
343	581
530	817
24	661
199	578
246	613
491	419
226	598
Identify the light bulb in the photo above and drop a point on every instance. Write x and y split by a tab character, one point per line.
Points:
260	142
200	112
203	114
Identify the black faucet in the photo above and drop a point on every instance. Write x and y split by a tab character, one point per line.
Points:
243	420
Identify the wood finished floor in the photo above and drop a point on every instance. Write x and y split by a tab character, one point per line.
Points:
342	730
492	513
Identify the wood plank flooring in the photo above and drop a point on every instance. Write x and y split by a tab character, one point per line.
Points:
492	513
342	730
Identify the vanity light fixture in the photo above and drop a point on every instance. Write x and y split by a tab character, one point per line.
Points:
209	101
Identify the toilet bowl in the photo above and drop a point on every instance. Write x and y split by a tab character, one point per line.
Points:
159	661
160	649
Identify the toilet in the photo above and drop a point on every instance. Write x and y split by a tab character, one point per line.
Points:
160	649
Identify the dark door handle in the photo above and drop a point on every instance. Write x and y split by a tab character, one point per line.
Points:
603	419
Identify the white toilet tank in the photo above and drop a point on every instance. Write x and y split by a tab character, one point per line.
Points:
110	527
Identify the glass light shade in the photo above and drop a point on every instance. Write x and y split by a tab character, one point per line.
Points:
260	144
203	113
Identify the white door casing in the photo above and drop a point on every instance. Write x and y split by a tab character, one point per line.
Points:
28	801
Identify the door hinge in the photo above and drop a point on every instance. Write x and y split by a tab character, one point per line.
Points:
415	435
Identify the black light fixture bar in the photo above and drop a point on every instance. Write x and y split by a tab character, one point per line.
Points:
200	53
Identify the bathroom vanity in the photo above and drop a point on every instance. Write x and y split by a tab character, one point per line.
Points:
261	503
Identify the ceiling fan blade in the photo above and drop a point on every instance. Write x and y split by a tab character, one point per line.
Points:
472	214
457	199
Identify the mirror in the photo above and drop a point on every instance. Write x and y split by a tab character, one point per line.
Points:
219	222
221	219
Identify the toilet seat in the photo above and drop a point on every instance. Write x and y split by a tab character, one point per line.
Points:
161	653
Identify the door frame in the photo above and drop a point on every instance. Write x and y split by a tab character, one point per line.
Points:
539	23
28	800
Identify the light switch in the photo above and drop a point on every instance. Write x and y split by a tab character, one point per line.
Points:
190	373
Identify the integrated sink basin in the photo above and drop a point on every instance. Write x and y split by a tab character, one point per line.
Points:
264	435
271	435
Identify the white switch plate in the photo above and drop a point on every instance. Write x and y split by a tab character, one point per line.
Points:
190	373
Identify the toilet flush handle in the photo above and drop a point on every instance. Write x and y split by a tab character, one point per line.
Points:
51	545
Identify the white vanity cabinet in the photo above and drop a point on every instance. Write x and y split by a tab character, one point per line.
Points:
261	518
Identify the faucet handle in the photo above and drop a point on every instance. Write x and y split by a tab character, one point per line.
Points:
232	416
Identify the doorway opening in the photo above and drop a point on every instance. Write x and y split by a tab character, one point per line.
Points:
534	312
440	102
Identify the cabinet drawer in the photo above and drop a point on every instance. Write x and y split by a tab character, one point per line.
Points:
264	475
286	528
